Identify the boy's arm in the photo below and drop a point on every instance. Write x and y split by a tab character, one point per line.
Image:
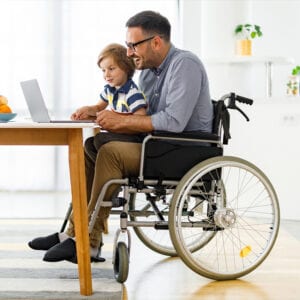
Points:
88	112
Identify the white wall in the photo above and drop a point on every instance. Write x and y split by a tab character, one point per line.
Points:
217	21
271	139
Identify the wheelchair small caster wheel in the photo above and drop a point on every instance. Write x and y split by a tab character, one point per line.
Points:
121	262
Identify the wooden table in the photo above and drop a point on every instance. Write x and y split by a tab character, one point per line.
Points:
71	135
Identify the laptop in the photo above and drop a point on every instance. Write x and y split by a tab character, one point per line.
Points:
36	104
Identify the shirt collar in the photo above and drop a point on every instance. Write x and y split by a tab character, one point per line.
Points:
157	71
123	89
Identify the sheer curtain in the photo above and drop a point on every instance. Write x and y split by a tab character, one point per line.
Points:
57	42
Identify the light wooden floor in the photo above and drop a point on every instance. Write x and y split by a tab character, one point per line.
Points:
152	276
155	277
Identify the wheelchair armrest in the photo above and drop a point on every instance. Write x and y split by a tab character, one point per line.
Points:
194	135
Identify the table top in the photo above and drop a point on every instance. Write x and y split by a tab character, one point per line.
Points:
30	124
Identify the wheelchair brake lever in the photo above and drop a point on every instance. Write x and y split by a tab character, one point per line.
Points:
246	117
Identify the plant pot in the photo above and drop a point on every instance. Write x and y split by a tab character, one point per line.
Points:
243	47
293	86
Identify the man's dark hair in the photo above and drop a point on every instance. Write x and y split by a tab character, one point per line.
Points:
152	23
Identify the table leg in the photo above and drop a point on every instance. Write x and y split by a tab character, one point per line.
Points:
79	202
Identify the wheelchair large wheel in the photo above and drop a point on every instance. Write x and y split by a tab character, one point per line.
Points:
245	224
157	240
121	262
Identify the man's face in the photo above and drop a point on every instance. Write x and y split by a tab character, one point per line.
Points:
142	53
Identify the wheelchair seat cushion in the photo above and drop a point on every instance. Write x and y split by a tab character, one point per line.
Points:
171	160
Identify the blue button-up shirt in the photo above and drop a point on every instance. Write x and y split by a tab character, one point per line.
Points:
177	93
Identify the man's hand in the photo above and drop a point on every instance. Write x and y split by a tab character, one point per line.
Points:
109	120
123	123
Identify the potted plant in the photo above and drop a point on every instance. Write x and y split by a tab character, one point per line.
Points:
245	33
293	82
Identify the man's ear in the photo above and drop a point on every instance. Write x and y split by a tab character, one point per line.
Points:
157	42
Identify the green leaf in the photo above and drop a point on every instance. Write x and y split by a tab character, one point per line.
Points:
238	29
296	70
248	31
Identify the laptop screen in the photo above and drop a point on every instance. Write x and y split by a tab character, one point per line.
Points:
35	102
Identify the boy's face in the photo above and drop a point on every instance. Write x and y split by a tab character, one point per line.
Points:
112	73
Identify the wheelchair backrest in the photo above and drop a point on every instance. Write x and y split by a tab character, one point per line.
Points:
221	121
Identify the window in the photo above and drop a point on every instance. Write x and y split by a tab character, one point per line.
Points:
58	43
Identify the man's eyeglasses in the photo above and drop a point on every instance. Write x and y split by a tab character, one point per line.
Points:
132	46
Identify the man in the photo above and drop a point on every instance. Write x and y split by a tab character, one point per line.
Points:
177	91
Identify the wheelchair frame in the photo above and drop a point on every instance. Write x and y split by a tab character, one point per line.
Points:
221	218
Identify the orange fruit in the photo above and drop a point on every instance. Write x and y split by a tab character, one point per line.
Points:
3	100
4	108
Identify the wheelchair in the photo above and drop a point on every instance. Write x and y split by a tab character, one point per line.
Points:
219	214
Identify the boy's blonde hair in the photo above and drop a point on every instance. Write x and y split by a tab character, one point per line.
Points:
119	55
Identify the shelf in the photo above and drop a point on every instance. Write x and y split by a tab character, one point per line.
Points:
250	60
268	61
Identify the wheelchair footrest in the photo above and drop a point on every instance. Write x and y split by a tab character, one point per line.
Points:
161	226
118	201
213	228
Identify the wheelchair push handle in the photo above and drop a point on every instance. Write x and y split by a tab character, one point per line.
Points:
244	100
233	98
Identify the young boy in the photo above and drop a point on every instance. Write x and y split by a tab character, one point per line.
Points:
120	94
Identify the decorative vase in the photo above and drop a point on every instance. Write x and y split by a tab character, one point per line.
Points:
244	47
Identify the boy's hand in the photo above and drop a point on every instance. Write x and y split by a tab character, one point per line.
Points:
83	113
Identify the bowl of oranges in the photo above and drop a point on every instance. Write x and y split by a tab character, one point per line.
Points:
6	113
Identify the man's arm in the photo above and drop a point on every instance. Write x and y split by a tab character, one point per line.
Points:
124	123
